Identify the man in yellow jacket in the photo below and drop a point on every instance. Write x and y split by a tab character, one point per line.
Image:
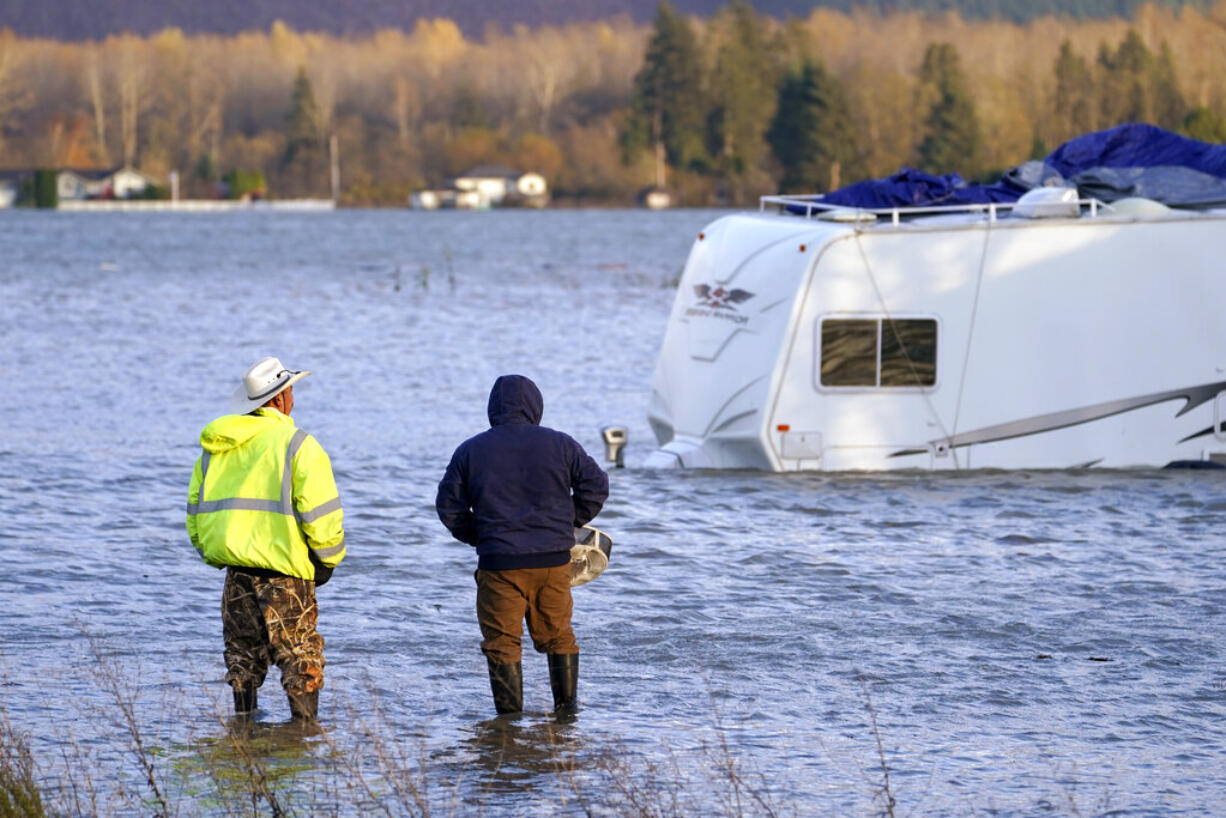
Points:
263	505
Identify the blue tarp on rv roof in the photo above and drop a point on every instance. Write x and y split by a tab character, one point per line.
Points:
1128	160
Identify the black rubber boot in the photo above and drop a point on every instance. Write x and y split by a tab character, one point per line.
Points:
564	679
507	685
245	703
304	707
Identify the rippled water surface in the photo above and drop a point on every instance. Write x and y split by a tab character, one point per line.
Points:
1027	643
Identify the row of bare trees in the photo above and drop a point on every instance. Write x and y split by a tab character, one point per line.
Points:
411	108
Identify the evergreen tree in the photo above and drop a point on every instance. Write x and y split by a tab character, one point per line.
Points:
667	105
467	110
951	140
1140	87
1203	124
1125	93
1074	94
302	122
742	98
1170	109
811	134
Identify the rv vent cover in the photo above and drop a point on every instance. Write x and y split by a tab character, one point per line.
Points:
1048	203
1138	206
846	214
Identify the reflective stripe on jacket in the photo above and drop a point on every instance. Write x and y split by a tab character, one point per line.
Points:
262	495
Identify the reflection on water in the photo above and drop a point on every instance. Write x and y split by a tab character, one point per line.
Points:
511	755
273	756
723	648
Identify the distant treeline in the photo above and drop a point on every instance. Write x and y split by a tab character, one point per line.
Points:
97	19
725	107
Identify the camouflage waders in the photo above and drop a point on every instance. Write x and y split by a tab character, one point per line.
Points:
271	619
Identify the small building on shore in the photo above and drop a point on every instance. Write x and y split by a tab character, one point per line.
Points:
447	199
655	198
72	185
94	183
10	185
486	186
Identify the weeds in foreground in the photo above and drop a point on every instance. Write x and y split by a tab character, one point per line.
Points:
79	796
371	768
883	794
733	776
406	793
20	796
260	769
255	771
244	772
652	790
112	678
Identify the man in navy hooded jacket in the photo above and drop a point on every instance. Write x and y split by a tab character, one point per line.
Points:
517	492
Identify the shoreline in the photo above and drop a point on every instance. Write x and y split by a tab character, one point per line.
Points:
320	206
191	205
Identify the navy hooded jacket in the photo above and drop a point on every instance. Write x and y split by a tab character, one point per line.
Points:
518	490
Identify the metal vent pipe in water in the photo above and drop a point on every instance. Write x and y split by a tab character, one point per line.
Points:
614	438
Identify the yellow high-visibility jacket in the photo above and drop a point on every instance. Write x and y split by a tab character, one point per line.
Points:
262	494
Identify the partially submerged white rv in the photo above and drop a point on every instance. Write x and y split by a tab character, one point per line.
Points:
1050	333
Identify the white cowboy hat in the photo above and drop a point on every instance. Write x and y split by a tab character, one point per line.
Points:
265	379
590	554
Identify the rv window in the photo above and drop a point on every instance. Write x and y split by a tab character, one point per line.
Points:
849	352
878	352
908	352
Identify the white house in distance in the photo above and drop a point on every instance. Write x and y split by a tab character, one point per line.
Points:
10	186
78	184
114	183
498	184
486	186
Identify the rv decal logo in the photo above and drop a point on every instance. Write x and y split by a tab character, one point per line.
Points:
719	298
718	302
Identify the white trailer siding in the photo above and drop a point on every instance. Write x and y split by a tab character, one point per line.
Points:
714	376
1083	313
1060	343
918	274
1069	315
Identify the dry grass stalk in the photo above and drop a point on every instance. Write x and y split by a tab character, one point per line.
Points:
19	792
884	793
239	735
122	692
370	769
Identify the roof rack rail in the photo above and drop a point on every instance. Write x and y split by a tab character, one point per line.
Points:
814	208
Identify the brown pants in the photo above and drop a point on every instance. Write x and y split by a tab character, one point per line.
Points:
506	598
274	620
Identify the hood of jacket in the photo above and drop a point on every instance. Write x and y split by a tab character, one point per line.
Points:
515	399
231	431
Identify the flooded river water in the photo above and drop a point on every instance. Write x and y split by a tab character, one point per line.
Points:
1025	643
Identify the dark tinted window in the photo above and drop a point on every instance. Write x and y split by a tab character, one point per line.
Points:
849	352
850	355
908	352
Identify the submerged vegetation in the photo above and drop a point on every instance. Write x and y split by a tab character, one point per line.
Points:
363	768
354	764
19	790
601	108
359	764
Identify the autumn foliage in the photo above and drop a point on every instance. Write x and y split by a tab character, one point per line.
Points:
604	108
